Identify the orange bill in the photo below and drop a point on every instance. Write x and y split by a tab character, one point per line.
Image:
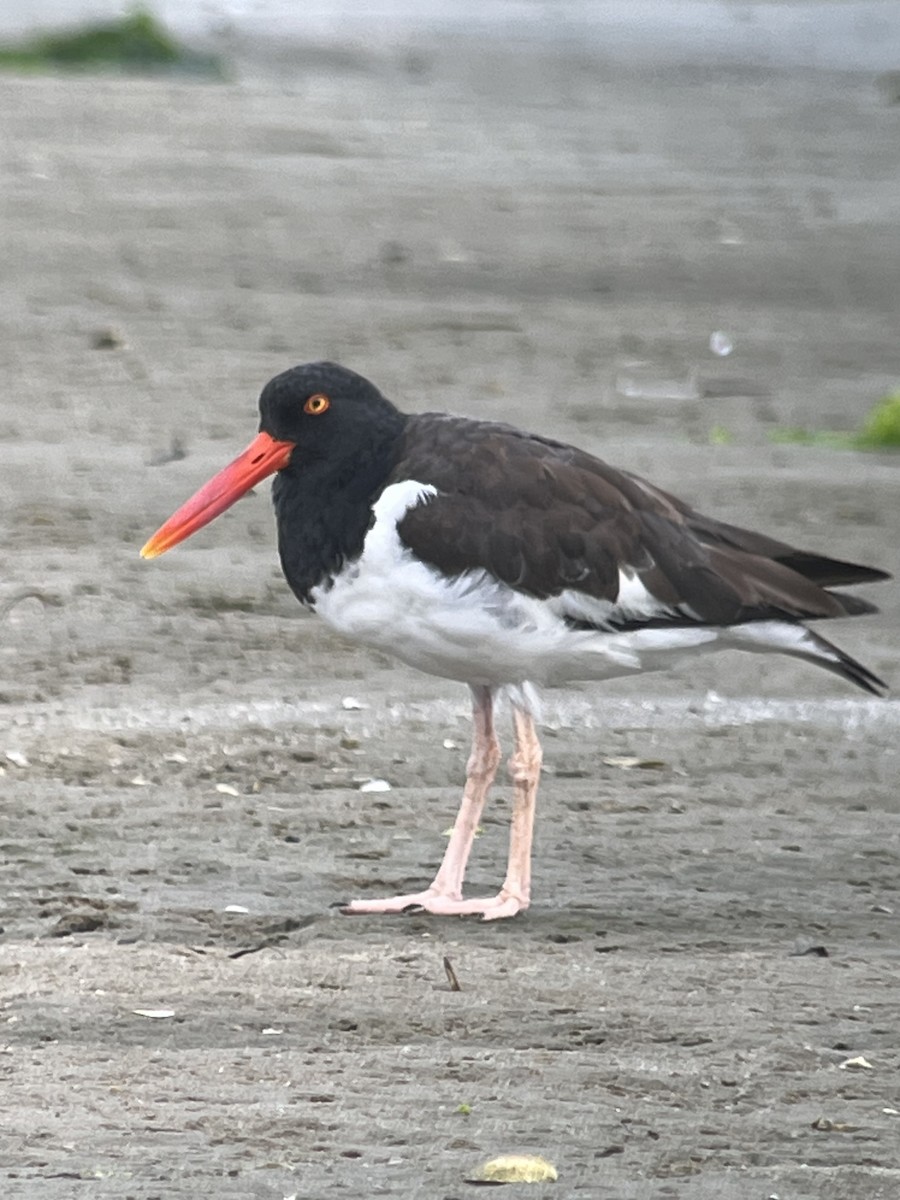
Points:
264	456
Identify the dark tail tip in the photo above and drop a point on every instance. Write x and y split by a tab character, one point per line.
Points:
856	673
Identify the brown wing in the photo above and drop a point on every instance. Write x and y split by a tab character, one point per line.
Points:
549	520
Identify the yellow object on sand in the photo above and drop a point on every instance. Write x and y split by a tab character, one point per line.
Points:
519	1168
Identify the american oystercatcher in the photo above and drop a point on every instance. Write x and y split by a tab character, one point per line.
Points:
478	552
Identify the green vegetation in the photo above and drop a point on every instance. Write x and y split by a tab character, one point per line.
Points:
882	428
720	436
135	44
832	438
881	431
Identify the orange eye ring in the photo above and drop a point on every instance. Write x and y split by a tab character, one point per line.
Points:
316	405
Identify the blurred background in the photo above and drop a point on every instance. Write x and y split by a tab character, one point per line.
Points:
680	200
810	33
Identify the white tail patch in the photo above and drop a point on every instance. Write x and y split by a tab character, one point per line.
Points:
785	636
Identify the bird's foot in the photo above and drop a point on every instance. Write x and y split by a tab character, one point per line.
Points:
490	908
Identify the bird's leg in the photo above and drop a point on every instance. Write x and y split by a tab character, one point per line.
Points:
445	893
480	771
444	897
525	772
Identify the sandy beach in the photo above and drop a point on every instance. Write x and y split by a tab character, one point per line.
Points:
701	1002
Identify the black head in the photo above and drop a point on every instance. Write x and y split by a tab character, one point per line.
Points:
332	439
328	412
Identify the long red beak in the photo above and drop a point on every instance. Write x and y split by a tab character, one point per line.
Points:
264	456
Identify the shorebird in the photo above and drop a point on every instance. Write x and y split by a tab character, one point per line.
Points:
478	552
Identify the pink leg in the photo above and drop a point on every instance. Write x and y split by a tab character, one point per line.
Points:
444	897
445	893
525	771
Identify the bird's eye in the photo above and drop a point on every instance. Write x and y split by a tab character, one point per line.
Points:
316	405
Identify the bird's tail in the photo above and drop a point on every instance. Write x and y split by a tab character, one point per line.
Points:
800	642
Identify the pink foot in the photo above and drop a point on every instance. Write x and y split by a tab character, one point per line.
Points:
491	908
495	908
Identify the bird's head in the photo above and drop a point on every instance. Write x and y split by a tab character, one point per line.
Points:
316	413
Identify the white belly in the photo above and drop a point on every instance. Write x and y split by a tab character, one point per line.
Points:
471	627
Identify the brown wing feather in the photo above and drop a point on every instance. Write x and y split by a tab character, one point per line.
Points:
544	517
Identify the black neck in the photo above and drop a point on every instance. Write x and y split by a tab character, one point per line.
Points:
323	508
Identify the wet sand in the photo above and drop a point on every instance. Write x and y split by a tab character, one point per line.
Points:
509	236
